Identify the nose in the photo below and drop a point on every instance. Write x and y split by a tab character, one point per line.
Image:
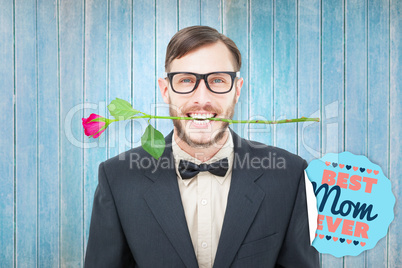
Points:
201	94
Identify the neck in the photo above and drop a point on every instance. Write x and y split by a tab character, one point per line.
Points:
201	153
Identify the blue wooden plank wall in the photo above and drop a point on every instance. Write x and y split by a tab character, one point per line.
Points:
340	60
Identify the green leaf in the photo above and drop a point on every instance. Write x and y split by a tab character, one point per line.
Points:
121	108
153	142
100	119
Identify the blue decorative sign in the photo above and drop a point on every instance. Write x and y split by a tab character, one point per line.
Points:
355	203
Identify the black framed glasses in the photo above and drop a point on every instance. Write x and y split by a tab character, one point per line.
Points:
217	82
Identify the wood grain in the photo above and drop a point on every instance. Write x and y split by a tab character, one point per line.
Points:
339	60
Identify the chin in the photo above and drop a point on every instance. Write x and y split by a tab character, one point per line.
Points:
200	141
204	139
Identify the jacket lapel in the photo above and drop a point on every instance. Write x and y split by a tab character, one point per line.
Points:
244	200
163	198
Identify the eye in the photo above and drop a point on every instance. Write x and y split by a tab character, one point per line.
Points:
217	81
185	80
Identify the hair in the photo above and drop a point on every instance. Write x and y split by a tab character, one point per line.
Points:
193	37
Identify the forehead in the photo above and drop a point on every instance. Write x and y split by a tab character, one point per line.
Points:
208	58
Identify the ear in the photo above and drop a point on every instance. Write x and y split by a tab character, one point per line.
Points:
239	84
164	88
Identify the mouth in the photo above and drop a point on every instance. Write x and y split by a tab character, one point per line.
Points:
201	118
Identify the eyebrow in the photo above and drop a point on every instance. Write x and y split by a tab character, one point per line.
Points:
237	73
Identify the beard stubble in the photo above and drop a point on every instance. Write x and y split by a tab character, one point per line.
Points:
184	136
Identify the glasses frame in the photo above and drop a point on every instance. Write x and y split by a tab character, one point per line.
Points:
170	76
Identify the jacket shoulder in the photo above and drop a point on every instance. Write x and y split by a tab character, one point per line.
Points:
123	159
126	165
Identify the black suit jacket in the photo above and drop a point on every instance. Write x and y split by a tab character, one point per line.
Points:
138	218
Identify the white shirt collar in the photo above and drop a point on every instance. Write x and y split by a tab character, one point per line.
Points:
225	151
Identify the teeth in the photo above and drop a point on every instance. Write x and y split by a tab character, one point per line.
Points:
200	122
201	116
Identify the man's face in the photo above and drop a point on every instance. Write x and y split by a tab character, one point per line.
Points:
202	102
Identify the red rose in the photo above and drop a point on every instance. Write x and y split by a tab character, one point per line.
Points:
95	128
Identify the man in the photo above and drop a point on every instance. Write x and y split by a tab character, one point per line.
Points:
206	202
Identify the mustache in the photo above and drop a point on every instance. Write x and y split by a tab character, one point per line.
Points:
207	108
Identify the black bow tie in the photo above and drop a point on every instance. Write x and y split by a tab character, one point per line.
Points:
189	169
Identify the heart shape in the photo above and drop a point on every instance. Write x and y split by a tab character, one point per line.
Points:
348	241
328	237
335	238
362	170
356	242
376	172
341	165
348	167
327	163
363	244
341	240
334	164
369	171
355	168
315	234
321	236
